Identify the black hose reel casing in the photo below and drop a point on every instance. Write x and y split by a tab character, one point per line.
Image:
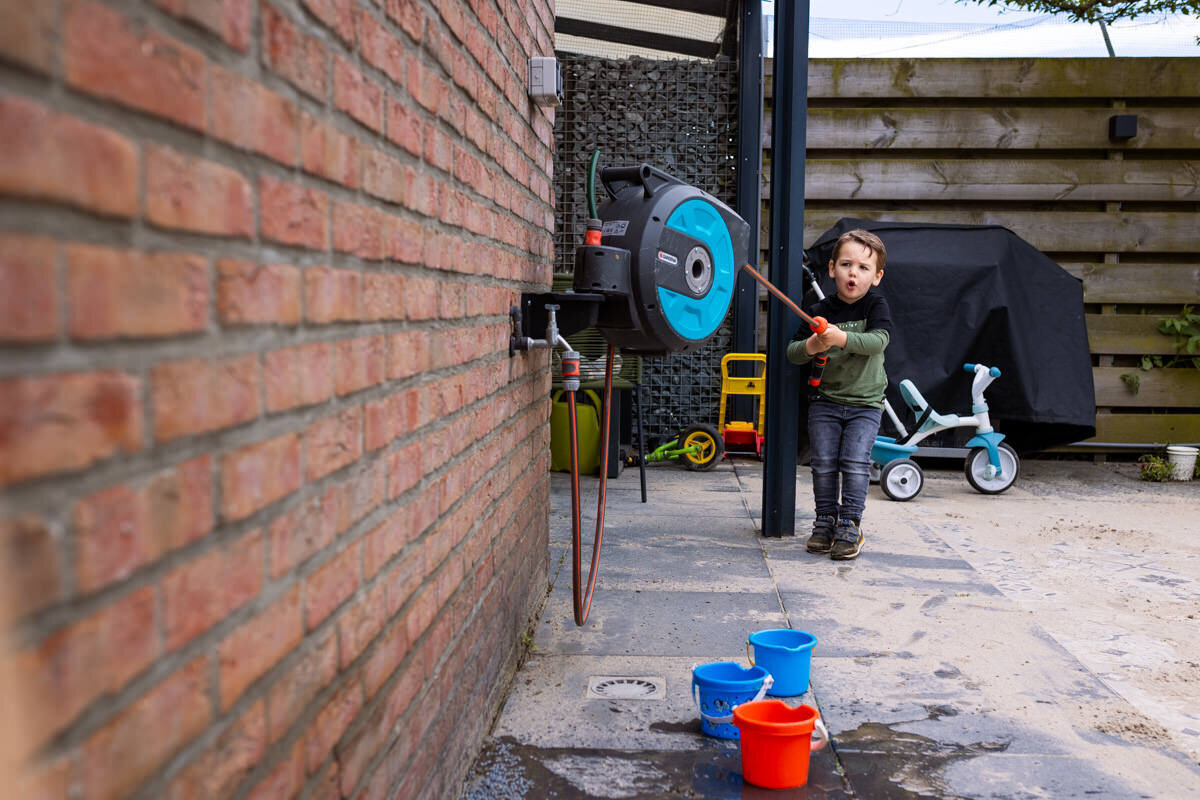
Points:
666	265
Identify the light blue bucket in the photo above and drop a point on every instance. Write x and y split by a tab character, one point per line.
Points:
720	686
787	655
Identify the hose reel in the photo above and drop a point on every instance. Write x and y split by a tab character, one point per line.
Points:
655	276
656	272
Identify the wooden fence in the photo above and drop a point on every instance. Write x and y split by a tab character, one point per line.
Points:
1024	143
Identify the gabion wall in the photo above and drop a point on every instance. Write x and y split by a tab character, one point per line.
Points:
679	116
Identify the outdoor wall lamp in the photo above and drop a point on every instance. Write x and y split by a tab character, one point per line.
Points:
1122	127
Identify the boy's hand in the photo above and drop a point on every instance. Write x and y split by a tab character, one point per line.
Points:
820	342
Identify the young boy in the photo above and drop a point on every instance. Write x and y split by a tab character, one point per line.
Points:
845	410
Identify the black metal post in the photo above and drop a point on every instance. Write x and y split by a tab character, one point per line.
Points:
749	183
786	257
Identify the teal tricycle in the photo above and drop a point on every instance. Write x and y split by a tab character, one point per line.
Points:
991	465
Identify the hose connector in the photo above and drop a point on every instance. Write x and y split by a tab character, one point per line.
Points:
570	370
593	235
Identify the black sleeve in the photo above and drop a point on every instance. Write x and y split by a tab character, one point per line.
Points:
879	315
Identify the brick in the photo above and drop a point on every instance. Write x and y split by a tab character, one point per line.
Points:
62	422
285	780
359	749
425	86
337	15
382	663
293	214
205	590
404	240
111	56
46	155
30	567
388	419
236	753
332	295
409	15
358	230
288	696
332	443
258	475
361	623
361	494
229	19
328	151
438	148
332	720
124	293
298	376
301	533
180	503
301	60
383	296
384	541
28	33
198	395
113	537
195	195
422	195
250	116
409	354
421	301
359	364
29	305
385	177
404	470
380	47
250	293
70	669
357	95
331	585
121	755
404	127
258	645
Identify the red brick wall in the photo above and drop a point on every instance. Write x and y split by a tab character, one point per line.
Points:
273	496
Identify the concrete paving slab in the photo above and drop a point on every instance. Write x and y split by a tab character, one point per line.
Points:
965	654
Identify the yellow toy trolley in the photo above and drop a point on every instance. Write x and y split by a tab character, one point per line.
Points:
744	437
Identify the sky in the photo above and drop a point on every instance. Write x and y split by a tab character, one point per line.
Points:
945	28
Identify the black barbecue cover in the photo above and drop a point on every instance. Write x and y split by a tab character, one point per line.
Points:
981	294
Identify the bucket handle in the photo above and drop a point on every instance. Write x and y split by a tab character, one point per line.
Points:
767	683
749	656
818	742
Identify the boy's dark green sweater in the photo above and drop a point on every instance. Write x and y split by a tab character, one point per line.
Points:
854	375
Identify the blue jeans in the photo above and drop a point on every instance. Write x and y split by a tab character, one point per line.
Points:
841	438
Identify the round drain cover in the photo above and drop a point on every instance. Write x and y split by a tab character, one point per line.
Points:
625	688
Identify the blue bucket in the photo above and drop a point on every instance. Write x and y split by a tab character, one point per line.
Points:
787	655
720	686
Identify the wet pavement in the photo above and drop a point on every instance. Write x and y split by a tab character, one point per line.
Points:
932	680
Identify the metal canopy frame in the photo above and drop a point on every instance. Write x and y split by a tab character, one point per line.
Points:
653	39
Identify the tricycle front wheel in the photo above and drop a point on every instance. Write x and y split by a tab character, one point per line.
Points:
981	474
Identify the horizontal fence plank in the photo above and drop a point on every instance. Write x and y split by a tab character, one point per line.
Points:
1157	388
1025	78
1158	428
1000	180
1048	231
996	128
1128	334
1137	283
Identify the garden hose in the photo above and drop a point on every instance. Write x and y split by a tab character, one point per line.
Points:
582	601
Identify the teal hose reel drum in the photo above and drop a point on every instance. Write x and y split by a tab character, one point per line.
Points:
666	264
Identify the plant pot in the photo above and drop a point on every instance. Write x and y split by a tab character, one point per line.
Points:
1183	461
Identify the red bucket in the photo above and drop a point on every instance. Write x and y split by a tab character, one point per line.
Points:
776	740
